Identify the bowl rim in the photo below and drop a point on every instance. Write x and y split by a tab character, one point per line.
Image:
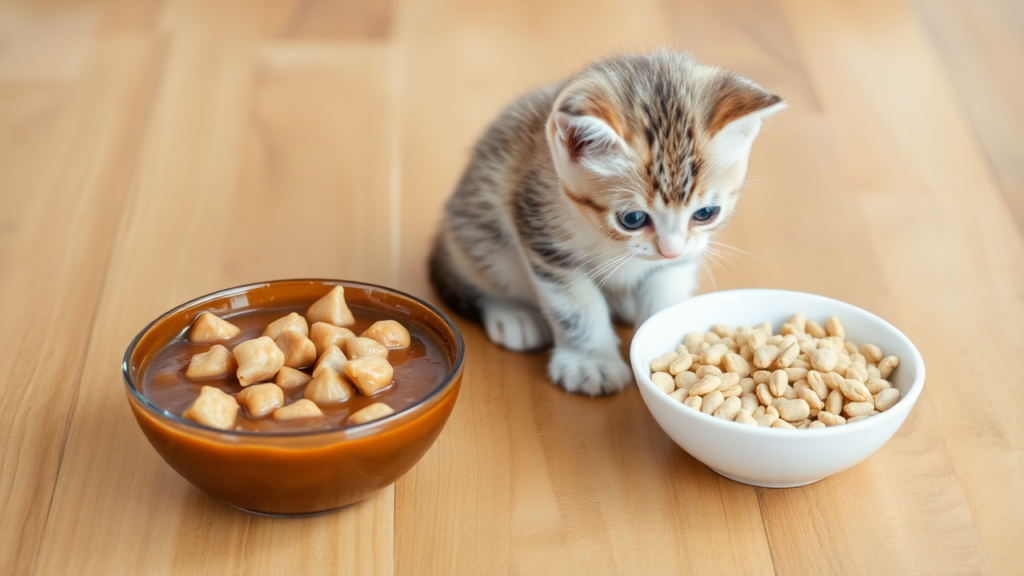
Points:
898	411
358	430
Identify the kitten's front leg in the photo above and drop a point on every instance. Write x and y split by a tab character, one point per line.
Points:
586	356
664	287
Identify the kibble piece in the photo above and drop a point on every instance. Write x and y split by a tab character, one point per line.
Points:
711	402
796	374
745	417
764	394
293	321
858	418
872	353
887	365
258	360
363	347
680	395
723	330
816	424
854	409
693	339
684	380
850	348
788	329
298	350
764	328
214	408
761	376
290	379
300	409
694	402
830	419
209	328
328	387
681	364
743	334
713	355
858	358
766	419
706	385
802	361
798	321
834	327
662	363
815	330
734	391
855	391
759	411
325	335
824	360
858	372
217	362
390	333
729	379
832	380
664	382
876	385
730	344
817	383
874	372
331	309
372	412
765	355
728	409
772	409
834	402
370	374
778	383
775	341
794	410
808	395
748	385
756	340
332	359
260	400
780	423
733	362
749	402
706	370
886	399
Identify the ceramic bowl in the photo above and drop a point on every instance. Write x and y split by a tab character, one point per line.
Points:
772	457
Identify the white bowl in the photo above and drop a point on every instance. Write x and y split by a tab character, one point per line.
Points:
772	457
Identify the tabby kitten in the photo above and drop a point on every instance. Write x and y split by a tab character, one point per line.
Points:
591	199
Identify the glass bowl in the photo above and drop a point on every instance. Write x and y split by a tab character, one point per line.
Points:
296	473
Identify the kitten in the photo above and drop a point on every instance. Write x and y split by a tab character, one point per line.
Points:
591	199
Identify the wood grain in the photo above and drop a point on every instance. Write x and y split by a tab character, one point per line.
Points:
154	151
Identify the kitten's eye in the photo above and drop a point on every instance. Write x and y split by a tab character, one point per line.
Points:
706	213
632	220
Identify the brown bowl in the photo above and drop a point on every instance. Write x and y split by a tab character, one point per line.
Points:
296	472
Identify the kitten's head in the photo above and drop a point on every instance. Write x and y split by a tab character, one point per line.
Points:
653	149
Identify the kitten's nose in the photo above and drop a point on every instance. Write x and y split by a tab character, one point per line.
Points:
670	247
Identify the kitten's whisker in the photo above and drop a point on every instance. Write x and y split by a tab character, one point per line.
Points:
723	256
612	273
714	285
724	245
724	269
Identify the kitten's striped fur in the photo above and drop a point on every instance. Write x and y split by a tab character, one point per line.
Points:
531	242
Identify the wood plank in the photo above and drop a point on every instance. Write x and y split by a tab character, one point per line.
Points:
957	259
44	41
980	44
58	229
240	131
525	478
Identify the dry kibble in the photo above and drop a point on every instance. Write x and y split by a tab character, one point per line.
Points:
830	419
370	374
331	309
728	409
834	402
711	402
798	321
796	374
746	353
874	372
298	350
775	341
766	419
764	328
711	338
808	395
757	339
876	385
328	387
794	410
780	423
788	329
759	411
801	362
835	328
832	380
389	333
729	379
858	372
724	331
765	355
801	385
299	410
779	383
817	383
680	395
293	321
886	399
694	402
290	379
872	353
789	393
332	359
850	348
325	335
761	376
684	380
749	402
788	355
858	358
363	347
744	417
771	410
735	363
680	364
816	424
217	362
815	330
214	408
748	385
730	344
664	382
824	360
693	339
706	385
372	412
258	360
764	394
713	355
734	391
209	328
887	365
854	409
706	370
855	391
259	400
662	363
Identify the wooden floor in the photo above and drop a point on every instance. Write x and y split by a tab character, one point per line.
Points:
151	152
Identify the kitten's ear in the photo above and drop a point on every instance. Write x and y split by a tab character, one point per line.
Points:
581	141
735	118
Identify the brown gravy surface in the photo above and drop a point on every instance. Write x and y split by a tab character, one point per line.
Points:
419	370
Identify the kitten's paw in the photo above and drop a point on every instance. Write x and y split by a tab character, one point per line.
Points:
589	372
515	326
